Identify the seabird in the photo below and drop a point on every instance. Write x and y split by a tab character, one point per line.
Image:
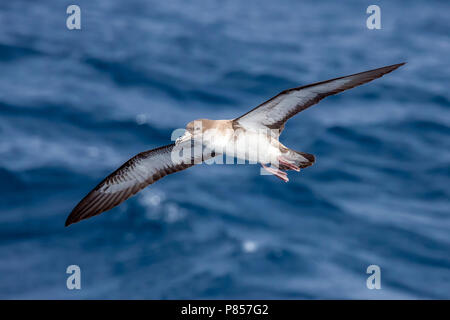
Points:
252	136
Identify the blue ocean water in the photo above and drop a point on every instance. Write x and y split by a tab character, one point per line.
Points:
74	105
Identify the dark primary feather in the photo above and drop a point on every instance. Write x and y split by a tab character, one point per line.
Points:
276	111
134	175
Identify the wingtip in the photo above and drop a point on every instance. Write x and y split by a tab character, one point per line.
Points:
398	65
70	220
387	69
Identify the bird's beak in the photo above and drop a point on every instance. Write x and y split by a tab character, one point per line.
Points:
185	137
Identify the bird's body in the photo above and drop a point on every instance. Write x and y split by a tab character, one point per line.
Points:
252	137
223	138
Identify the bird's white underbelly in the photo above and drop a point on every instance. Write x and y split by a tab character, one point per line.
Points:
251	147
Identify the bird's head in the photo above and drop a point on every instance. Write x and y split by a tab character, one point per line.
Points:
193	128
196	127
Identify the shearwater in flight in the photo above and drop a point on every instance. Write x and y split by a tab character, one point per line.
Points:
252	136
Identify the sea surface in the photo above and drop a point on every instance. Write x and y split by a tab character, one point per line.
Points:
76	104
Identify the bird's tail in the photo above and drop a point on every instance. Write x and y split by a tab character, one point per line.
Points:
299	159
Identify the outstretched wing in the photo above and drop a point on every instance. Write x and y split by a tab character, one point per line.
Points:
275	112
134	175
